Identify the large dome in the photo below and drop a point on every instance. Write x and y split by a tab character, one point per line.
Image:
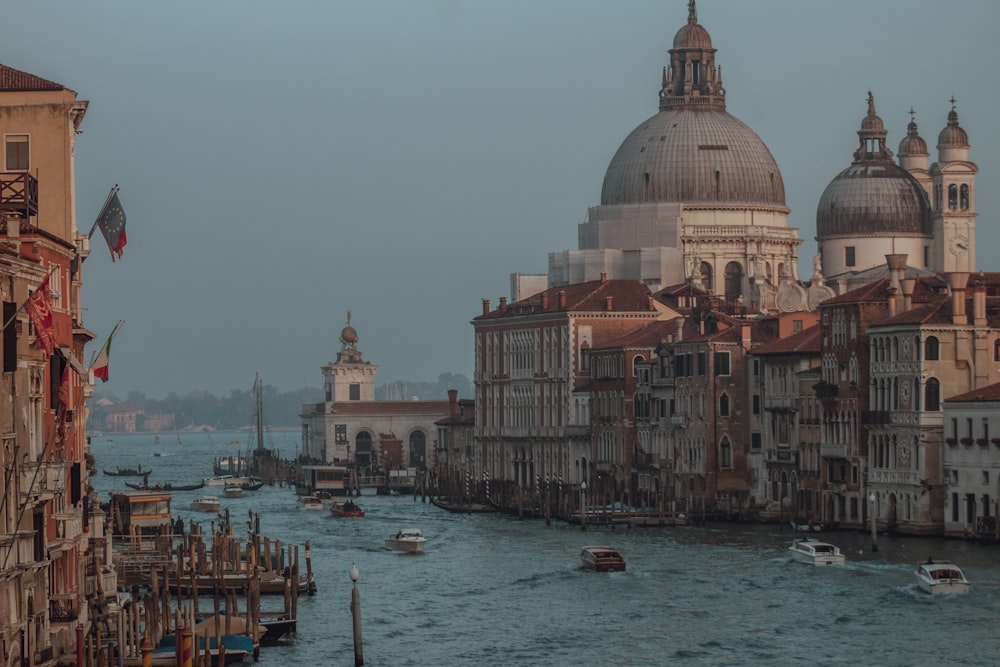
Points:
873	199
693	155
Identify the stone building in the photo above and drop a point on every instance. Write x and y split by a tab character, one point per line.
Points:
46	566
350	426
971	463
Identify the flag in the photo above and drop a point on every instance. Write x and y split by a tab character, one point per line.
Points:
112	224
100	365
39	309
64	387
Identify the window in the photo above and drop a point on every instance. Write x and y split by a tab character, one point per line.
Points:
952	196
932	393
927	256
340	434
725	454
755	440
722	363
796	326
964	197
931	349
724	405
849	259
355	392
9	338
17	152
756	404
701	363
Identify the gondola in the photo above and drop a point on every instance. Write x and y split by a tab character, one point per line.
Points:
253	485
127	472
164	487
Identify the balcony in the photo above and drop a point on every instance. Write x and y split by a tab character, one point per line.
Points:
42	479
108	581
68	529
17	551
680	421
833	450
781	403
18	194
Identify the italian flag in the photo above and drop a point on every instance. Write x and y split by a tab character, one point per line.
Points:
100	364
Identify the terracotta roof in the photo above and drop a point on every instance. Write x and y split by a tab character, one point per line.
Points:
990	392
592	296
15	80
926	289
803	342
649	335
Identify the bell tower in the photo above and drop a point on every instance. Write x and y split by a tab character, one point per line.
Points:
953	202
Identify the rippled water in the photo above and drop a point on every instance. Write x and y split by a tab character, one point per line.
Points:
502	591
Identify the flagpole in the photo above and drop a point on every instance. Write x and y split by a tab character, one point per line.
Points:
93	357
16	312
103	209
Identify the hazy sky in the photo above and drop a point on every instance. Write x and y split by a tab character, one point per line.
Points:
284	162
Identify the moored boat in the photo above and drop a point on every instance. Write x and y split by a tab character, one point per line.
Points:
407	540
347	509
814	552
941	577
806	526
205	504
462	507
228	480
599	558
233	492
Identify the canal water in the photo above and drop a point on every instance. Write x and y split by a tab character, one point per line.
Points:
496	590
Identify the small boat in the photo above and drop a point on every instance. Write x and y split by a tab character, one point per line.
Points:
164	487
602	559
347	509
462	507
233	492
205	504
227	480
127	472
814	552
310	503
236	443
939	577
806	526
325	497
407	540
253	485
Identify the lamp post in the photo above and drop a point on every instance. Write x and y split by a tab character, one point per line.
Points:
583	505
359	657
871	498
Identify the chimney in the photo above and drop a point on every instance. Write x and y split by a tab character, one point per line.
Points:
486	306
610	304
604	276
680	329
562	299
897	268
745	336
907	285
545	300
452	402
957	282
979	303
503	305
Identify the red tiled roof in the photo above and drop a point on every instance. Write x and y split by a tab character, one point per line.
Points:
924	290
988	393
592	296
805	341
649	335
15	80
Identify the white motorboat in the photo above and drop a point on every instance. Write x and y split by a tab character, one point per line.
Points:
205	504
814	552
228	480
939	577
310	503
407	540
233	492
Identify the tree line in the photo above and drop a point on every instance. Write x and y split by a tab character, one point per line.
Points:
236	411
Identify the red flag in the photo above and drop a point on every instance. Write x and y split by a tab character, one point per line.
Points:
64	387
39	308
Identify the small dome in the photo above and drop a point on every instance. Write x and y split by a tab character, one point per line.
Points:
873	199
348	335
692	36
912	144
953	136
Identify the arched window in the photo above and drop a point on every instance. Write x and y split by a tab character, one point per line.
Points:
952	196
724	405
931	348
725	453
932	395
418	450
363	447
964	197
734	280
707	276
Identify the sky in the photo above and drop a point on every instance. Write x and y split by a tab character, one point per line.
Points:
284	162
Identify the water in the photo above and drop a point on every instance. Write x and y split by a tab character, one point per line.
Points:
502	591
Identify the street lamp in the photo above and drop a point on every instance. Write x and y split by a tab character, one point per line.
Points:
583	505
871	498
359	657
